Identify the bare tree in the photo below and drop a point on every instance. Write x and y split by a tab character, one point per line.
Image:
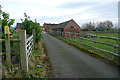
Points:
105	26
108	25
88	26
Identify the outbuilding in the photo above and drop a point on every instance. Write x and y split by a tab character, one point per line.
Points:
68	27
63	29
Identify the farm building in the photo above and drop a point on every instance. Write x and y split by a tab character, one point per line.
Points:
64	27
18	27
68	26
48	27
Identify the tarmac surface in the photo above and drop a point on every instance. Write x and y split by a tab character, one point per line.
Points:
69	62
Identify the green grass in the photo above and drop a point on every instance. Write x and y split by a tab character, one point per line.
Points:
98	45
38	57
107	34
103	46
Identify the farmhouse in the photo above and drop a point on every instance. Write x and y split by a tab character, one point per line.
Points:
64	27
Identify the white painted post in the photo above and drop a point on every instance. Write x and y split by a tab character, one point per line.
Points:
23	50
33	32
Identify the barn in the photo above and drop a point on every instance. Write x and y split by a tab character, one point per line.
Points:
68	26
63	28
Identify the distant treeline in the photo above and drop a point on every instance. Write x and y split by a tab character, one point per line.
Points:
105	26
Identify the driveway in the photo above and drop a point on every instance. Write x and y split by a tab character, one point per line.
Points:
69	62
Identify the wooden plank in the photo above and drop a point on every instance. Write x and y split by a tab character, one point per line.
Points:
29	47
10	39
29	42
30	38
114	38
23	49
102	50
30	51
2	39
14	40
108	51
96	47
101	42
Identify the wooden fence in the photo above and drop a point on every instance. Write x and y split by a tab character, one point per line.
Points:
67	35
26	47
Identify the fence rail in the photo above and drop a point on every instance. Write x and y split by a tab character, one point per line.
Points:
67	36
114	38
100	42
10	39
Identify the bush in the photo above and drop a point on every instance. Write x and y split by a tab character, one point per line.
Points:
29	25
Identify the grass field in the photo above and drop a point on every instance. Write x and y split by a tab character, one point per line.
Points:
108	34
98	45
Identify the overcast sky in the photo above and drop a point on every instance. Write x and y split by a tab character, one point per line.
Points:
56	11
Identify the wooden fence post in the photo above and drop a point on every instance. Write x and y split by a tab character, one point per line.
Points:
117	50
62	34
81	41
69	36
94	43
8	55
23	50
33	32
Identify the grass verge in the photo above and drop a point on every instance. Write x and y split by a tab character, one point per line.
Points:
39	65
89	52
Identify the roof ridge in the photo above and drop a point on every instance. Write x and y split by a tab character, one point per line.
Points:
66	21
63	24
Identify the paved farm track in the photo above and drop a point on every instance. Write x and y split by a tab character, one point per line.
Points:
69	62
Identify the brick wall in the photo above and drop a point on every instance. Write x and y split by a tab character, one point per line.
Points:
76	29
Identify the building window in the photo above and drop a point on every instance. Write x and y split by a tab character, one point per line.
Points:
72	27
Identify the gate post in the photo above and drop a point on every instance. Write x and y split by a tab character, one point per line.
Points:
23	51
8	55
